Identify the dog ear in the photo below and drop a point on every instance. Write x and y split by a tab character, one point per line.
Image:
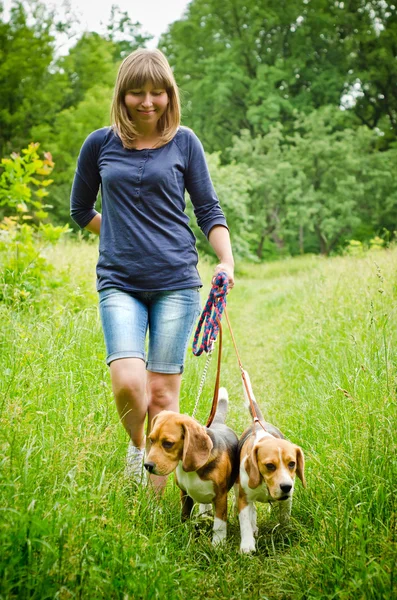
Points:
251	466
196	448
300	465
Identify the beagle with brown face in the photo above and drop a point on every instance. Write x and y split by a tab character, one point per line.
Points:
268	466
205	460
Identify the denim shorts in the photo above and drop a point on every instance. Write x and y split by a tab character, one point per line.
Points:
168	316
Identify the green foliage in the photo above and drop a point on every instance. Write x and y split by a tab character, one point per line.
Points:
264	84
24	182
354	248
233	186
125	35
88	115
249	64
273	180
27	43
371	55
25	272
357	248
331	162
89	63
314	189
24	269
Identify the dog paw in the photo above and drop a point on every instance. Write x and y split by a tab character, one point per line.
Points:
255	530
248	547
205	510
218	540
284	520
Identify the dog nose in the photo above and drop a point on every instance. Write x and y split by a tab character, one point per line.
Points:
149	466
285	487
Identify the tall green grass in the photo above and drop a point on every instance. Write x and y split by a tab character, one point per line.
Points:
318	338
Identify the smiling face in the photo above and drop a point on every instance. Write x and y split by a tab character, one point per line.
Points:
146	105
275	462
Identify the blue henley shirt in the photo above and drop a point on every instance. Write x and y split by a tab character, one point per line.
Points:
146	243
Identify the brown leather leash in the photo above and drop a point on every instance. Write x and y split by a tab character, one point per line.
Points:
247	387
243	375
217	379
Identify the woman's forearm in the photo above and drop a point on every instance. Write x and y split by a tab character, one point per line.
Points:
219	239
95	224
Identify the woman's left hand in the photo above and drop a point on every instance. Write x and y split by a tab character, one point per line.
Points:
229	270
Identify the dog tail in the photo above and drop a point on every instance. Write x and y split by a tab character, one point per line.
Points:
221	410
251	393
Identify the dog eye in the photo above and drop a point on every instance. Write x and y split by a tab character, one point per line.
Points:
167	445
270	467
291	464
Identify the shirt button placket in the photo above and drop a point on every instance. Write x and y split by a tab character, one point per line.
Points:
140	171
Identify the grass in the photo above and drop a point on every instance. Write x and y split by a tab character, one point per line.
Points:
318	338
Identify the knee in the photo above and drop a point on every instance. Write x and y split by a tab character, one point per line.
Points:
128	387
161	398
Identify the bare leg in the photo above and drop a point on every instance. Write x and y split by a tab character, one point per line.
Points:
129	388
163	394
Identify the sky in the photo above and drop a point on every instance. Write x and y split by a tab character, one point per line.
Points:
154	15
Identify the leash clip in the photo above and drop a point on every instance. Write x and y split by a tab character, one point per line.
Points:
211	346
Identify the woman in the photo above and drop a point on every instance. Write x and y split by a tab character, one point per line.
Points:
147	275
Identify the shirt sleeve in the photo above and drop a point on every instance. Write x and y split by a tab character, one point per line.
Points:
200	188
86	181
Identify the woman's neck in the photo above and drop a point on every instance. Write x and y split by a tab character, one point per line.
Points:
147	139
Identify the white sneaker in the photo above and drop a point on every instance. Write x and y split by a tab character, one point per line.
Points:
134	463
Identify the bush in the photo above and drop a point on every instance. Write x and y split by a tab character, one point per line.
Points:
23	231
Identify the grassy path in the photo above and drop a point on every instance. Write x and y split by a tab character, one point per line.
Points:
318	338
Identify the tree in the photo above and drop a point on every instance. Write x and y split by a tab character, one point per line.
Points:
125	35
27	50
319	187
233	187
89	63
273	181
248	65
373	67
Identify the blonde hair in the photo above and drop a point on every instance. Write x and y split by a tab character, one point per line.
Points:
137	69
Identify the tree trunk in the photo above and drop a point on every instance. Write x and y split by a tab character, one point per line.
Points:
277	240
323	241
259	250
301	240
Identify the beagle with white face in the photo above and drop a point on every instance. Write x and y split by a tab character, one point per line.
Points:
268	467
205	460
